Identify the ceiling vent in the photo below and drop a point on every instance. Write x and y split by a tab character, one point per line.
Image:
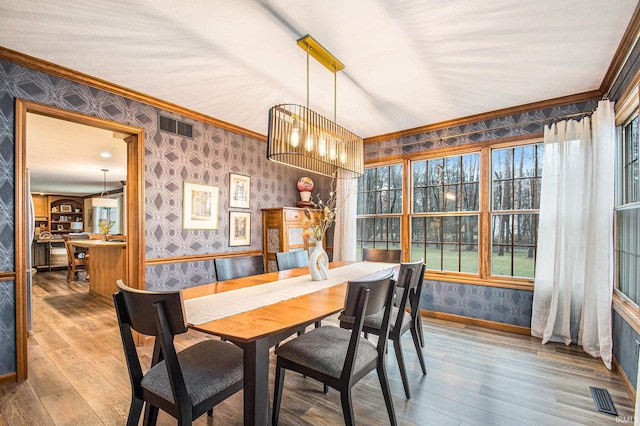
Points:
174	126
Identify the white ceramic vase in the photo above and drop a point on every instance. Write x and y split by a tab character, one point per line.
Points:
319	263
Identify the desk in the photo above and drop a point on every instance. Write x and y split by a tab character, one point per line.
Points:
107	264
255	331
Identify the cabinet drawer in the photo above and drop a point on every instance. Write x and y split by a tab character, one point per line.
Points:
293	215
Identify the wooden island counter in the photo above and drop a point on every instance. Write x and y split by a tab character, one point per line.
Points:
107	264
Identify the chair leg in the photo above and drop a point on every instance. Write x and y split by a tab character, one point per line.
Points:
415	335
386	392
150	415
135	410
69	269
277	393
325	388
403	371
419	330
210	413
347	407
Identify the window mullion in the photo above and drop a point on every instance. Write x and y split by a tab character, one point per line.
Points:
484	239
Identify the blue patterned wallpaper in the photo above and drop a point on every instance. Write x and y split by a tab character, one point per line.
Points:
624	347
504	305
207	158
502	127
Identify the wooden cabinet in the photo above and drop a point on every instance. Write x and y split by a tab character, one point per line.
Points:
282	231
64	213
40	213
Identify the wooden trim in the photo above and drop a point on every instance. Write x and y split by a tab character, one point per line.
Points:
506	282
8	378
135	207
563	100
493	325
628	386
622	53
627	310
69	74
7	276
199	257
446	151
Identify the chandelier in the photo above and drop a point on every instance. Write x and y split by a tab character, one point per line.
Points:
302	138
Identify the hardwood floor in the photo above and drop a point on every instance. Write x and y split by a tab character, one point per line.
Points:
475	376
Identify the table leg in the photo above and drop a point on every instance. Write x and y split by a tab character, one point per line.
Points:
256	382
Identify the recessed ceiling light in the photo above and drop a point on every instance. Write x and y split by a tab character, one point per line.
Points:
105	154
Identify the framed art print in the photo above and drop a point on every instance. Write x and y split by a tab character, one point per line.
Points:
239	190
200	206
239	229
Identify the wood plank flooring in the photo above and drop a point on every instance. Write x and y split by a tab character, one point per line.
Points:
77	376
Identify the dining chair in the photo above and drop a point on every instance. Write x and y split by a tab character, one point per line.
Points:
410	279
228	268
75	260
340	358
381	255
185	384
117	237
292	259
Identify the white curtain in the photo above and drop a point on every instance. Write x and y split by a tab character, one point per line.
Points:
344	236
574	266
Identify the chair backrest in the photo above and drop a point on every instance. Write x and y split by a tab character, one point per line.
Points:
367	296
410	279
71	255
96	236
228	268
292	259
381	255
117	237
158	314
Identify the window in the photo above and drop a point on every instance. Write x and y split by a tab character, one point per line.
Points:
379	208
516	174
444	223
628	213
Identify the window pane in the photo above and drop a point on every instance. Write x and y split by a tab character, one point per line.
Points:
369	202
383	202
420	200
395	176
471	168
370	179
451	229
381	229
433	259
383	178
434	202
469	259
470	197
419	173
396	201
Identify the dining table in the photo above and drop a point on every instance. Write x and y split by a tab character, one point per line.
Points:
258	311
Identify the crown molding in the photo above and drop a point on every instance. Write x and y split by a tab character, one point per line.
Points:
72	75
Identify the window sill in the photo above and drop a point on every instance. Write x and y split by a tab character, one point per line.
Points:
503	282
627	310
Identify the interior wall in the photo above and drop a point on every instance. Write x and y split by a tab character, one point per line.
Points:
170	160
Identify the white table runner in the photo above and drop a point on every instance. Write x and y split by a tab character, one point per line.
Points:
215	306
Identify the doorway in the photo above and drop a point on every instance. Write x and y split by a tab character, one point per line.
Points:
134	138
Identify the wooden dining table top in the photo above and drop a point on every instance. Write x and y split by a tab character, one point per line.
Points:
271	319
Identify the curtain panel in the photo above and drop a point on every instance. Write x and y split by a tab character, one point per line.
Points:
574	266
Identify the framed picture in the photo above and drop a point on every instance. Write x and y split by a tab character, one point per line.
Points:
199	206
239	229
239	190
66	208
60	227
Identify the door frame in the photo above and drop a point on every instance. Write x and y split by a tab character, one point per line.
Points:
134	208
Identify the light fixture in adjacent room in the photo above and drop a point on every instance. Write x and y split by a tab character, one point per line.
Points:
302	138
104	200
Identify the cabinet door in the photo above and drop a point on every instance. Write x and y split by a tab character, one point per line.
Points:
40	206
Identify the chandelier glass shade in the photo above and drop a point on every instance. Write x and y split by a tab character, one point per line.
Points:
302	138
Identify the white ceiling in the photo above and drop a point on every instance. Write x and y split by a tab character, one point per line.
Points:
408	62
65	158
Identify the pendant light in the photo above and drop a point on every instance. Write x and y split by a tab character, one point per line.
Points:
301	138
104	200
